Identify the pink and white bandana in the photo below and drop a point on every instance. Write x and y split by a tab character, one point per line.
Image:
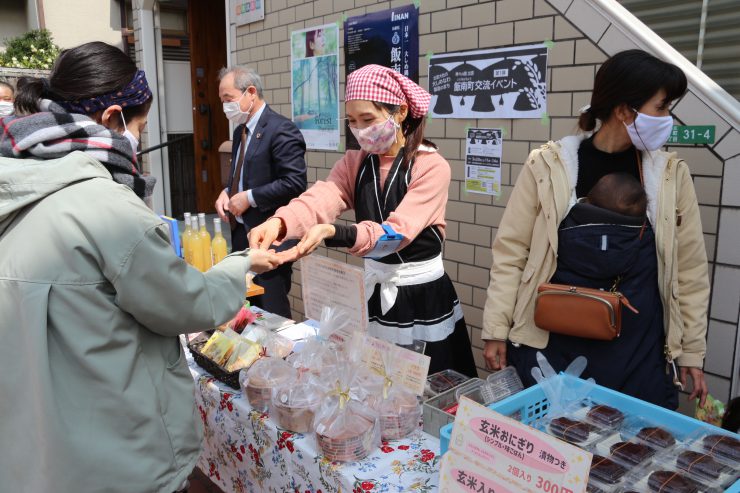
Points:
385	85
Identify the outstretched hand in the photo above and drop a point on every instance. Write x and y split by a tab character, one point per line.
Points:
263	261
266	234
313	238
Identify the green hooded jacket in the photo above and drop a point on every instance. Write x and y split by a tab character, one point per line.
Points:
95	393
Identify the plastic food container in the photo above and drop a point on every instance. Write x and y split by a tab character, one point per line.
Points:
443	381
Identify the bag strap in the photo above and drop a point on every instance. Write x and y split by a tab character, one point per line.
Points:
642	182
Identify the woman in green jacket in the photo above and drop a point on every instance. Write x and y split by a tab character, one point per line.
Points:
627	123
95	393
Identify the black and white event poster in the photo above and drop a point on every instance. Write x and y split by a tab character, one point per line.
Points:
497	83
389	38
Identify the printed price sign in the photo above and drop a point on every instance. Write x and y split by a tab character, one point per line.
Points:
410	367
460	474
692	134
526	458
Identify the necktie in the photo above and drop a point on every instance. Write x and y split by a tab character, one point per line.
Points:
237	173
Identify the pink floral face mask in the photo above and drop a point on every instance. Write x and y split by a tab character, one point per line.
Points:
378	138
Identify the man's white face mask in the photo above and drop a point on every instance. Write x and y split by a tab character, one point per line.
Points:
233	111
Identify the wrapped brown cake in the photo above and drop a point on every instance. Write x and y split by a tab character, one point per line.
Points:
631	452
702	465
570	430
294	405
399	415
347	429
262	378
606	470
723	446
671	482
657	436
605	415
347	435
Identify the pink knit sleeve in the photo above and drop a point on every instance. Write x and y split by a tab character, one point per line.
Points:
324	201
422	206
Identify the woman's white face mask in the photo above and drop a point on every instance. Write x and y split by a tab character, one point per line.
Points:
377	138
129	136
6	108
649	133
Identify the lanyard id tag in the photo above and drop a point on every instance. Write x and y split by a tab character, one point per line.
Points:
387	244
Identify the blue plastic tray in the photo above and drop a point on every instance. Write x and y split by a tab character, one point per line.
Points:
531	404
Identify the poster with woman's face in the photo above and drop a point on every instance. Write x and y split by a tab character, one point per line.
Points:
315	85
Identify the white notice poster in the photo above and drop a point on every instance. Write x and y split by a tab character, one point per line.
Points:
483	161
328	282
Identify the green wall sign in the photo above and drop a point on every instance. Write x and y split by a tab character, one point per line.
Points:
692	134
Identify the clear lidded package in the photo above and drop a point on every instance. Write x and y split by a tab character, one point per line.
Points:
631	453
573	426
443	381
709	455
655	435
662	477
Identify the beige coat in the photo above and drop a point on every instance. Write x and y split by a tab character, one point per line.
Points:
526	245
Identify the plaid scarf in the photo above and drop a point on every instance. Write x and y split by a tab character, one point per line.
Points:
53	133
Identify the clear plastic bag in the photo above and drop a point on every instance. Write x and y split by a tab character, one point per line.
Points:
319	354
261	380
295	404
272	344
399	410
346	428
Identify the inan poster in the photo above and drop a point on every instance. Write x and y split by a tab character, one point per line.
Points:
498	83
315	85
389	38
483	148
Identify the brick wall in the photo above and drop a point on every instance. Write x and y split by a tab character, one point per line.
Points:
451	25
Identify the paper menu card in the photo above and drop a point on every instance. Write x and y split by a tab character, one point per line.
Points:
522	456
329	282
411	368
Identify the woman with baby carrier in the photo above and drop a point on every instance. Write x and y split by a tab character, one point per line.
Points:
608	209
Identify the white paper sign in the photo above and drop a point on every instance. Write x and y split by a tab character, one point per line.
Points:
483	161
328	282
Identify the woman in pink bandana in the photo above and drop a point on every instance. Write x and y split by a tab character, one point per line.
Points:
396	185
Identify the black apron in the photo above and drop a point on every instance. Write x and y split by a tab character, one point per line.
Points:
421	309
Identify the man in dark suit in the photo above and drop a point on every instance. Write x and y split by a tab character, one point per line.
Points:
268	169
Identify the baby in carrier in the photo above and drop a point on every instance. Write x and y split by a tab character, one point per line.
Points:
617	198
620	193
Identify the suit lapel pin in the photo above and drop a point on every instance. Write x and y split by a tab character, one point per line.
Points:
258	135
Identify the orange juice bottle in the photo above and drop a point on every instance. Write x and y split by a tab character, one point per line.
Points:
205	243
196	246
187	240
218	245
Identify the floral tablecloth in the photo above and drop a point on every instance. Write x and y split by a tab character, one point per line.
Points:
245	451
